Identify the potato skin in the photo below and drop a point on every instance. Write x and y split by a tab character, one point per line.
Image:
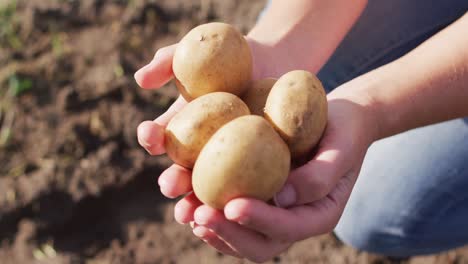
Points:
256	95
244	158
190	129
297	108
212	57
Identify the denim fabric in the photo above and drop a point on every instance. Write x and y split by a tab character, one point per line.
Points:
411	196
386	30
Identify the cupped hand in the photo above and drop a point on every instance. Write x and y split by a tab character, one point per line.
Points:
314	196
176	180
311	202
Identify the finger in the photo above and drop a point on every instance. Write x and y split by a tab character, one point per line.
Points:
297	223
175	181
151	133
159	71
185	208
327	211
318	177
247	243
213	240
263	218
164	119
151	137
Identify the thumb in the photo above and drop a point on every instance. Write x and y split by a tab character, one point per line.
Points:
158	71
314	180
151	133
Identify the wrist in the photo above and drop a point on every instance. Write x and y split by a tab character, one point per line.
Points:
359	92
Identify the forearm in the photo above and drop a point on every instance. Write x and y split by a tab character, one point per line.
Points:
426	86
308	31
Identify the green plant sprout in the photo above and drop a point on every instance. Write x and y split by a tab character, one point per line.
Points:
18	85
118	71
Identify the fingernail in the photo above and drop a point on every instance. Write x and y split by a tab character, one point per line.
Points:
152	149
286	197
200	218
232	214
144	142
243	220
148	147
162	182
199	231
138	76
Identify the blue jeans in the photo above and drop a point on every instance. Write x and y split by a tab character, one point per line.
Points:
411	196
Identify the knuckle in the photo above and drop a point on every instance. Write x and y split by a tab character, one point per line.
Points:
140	129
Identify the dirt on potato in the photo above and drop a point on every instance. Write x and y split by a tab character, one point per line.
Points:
75	187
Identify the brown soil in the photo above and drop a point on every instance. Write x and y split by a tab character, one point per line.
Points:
75	187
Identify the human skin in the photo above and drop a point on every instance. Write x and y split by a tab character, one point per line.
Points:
426	86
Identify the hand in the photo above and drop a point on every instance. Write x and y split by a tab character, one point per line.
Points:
177	180
311	202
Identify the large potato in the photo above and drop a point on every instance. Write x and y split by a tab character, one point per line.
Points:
190	129
297	109
213	57
256	96
244	158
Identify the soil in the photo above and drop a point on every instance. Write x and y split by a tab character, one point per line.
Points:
75	187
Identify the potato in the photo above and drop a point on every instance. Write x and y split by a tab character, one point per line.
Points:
297	109
244	158
190	129
256	95
213	57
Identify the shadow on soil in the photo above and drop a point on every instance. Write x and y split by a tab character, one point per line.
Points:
94	221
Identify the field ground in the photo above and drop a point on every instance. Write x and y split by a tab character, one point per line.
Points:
75	187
